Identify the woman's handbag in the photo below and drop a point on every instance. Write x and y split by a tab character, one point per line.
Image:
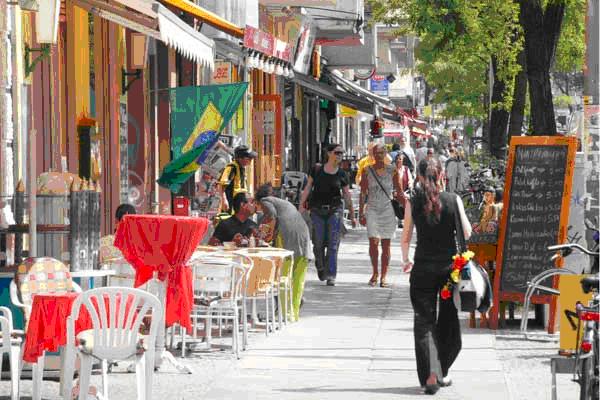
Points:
474	289
398	208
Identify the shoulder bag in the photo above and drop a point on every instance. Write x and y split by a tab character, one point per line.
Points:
398	209
474	289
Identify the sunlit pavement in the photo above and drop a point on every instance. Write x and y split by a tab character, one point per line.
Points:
352	341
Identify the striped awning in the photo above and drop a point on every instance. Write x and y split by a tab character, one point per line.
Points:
154	20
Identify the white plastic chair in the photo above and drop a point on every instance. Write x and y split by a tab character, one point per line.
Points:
10	342
115	336
218	293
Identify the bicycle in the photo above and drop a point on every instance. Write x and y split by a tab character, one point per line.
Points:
586	352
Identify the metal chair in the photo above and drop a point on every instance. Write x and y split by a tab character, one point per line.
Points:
117	314
10	342
218	283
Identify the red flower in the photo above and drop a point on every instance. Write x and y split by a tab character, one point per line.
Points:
445	293
459	262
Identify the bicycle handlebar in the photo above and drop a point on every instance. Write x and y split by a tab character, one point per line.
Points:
572	246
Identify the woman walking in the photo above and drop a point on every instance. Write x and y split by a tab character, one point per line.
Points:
291	233
437	337
379	182
327	185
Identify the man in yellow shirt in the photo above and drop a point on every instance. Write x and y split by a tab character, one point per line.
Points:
369	160
233	179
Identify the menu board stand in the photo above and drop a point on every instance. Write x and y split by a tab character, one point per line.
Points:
537	195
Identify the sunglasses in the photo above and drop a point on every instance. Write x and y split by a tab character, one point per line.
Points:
338	153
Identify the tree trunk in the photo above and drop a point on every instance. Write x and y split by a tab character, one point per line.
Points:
517	112
542	30
499	116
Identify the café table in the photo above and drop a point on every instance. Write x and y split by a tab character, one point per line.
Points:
159	247
47	332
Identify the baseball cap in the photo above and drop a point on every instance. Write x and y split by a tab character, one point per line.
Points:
244	152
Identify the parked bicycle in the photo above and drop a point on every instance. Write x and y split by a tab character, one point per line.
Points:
587	352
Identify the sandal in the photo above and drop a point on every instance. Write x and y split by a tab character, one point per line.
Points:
384	283
373	280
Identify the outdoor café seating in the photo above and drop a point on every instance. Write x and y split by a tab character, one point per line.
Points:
116	315
10	343
48	279
218	284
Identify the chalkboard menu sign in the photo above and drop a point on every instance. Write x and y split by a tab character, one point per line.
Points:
537	194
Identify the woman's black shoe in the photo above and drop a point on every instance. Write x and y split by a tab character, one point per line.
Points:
432	386
321	275
330	282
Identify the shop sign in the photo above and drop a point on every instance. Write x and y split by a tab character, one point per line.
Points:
259	40
306	42
267	44
264	122
380	85
222	72
123	150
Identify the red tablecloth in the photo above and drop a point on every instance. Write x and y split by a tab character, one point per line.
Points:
47	328
163	243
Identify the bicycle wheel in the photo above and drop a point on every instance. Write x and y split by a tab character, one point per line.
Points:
587	379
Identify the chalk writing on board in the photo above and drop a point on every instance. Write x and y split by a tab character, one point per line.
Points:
536	193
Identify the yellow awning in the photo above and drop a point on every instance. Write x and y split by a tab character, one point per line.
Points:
206	16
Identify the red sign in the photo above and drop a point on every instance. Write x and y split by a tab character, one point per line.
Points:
181	206
378	77
267	44
259	40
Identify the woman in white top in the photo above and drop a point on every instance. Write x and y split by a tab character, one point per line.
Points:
381	183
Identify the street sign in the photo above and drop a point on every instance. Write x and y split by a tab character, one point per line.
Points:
380	85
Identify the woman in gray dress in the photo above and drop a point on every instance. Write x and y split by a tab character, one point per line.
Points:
378	184
291	233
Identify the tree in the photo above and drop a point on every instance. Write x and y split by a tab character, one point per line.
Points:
541	27
458	39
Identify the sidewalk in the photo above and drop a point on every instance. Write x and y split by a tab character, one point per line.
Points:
352	341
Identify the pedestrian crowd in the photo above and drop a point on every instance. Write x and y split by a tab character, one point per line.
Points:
402	188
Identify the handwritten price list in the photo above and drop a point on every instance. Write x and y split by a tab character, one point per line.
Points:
536	193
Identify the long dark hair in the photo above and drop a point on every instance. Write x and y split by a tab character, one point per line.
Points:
426	200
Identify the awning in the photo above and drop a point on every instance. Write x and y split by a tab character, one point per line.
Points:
156	21
360	91
189	42
206	16
331	93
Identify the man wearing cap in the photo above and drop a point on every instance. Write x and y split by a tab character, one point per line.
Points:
233	178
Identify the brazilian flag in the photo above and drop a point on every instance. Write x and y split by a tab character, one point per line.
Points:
198	115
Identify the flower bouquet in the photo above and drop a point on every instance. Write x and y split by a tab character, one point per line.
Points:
458	263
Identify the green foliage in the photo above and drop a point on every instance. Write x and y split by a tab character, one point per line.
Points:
563	101
457	39
570	52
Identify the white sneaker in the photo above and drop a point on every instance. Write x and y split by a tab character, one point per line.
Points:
446	381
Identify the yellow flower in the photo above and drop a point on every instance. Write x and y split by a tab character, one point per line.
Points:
455	275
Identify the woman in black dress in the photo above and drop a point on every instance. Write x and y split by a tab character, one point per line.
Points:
437	337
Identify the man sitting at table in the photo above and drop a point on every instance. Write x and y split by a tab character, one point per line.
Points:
239	227
107	250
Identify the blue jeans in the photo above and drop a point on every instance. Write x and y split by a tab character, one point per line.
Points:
327	227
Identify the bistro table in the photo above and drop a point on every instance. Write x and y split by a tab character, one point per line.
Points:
160	246
47	331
